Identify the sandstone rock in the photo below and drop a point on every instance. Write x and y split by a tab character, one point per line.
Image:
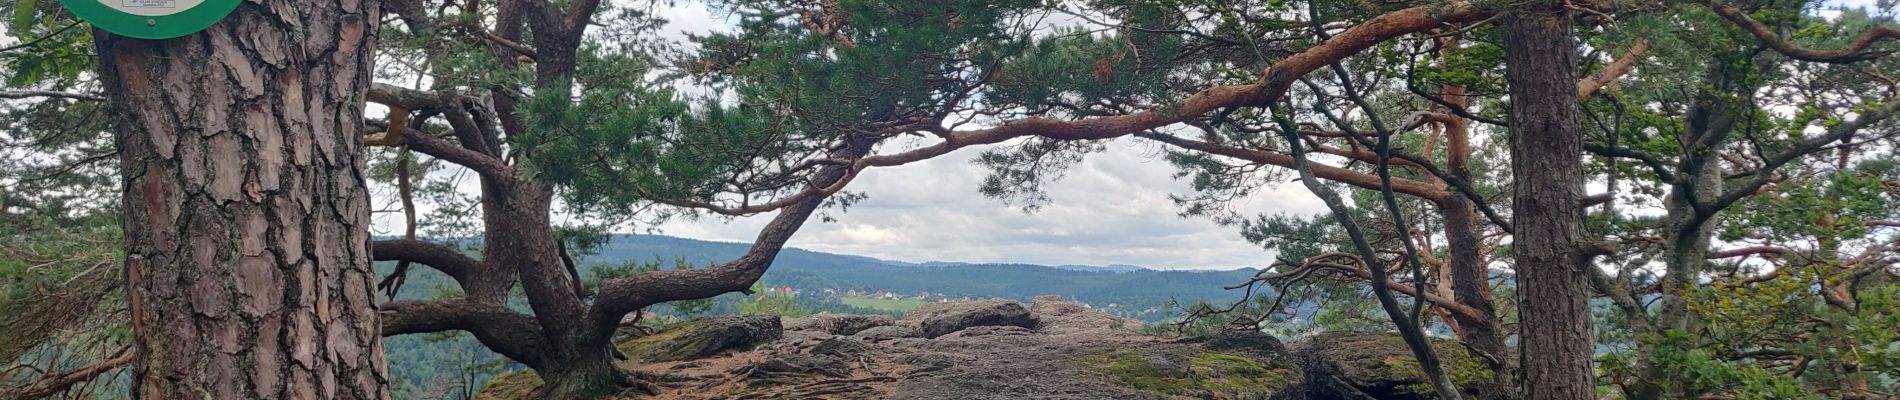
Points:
887	332
928	362
989	330
840	347
791	369
1378	366
704	337
1062	316
938	319
838	324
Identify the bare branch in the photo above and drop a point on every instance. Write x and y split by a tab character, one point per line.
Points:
29	94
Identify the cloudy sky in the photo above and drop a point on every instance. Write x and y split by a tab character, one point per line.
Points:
1111	209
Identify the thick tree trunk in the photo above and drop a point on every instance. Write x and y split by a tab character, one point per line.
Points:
1547	169
583	377
1712	117
1471	287
245	212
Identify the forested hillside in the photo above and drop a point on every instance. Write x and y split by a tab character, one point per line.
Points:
1133	289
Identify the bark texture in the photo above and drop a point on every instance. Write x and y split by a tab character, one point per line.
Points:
245	211
1547	169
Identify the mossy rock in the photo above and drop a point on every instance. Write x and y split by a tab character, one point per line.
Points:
1200	373
1358	365
703	337
516	385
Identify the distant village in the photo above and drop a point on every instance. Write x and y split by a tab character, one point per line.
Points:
846	296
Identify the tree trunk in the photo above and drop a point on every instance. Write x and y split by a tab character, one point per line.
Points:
1711	118
246	219
1547	170
582	377
1470	277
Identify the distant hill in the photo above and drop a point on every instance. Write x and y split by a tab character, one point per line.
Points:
1129	286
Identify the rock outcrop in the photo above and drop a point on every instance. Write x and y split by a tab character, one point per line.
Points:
838	324
1001	350
1060	316
703	338
938	319
1354	365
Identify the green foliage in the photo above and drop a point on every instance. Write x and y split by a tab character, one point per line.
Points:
895	305
1702	368
769	300
60	298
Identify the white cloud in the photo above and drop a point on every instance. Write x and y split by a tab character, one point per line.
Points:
1112	208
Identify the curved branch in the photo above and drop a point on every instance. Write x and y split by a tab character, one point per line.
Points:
483	164
435	255
1358	270
621	296
1272	86
1360	179
507	332
1852	53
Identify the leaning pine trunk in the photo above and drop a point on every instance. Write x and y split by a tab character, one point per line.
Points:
1540	53
246	219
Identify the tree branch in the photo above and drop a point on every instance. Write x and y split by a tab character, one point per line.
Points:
1748	251
481	163
435	255
505	331
54	383
28	94
1655	164
1610	73
618	297
1851	53
1271	87
1342	175
1765	174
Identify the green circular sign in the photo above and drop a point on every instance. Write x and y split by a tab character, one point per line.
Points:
151	19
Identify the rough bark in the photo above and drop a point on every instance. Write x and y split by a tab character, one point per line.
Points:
1547	169
246	217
